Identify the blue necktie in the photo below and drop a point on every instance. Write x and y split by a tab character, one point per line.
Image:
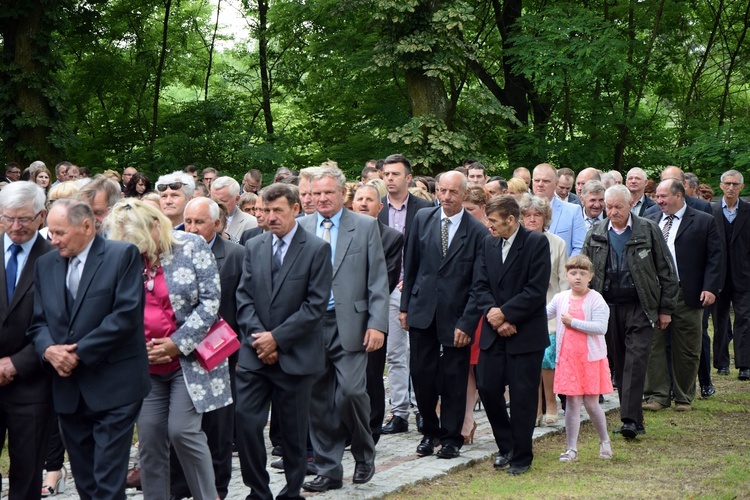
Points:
11	270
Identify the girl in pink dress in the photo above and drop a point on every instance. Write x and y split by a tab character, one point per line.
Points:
582	371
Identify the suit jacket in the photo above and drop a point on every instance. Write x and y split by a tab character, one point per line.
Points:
291	307
646	205
229	257
699	255
250	233
105	320
360	277
241	222
568	225
572	198
413	205
31	384
738	248
436	288
393	245
518	287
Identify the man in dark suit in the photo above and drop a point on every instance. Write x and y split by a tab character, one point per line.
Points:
438	262
693	241
367	201
88	327
673	172
25	406
399	208
511	277
354	324
733	217
202	218
285	286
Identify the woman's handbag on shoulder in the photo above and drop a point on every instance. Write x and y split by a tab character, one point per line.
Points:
219	343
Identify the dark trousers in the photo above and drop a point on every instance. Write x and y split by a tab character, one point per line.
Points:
631	333
55	449
521	372
740	302
290	395
27	426
376	391
704	368
98	444
428	368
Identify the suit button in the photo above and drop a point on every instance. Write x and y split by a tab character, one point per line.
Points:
70	333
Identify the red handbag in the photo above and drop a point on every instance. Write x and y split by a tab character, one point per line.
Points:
219	343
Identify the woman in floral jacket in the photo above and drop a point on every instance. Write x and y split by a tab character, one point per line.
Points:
181	283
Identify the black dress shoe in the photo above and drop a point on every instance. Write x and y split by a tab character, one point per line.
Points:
396	425
321	484
723	371
278	464
363	472
426	446
449	451
744	374
277	451
639	429
420	422
517	470
311	469
707	391
502	460
628	430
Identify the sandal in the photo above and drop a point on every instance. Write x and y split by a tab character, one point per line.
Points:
605	450
569	456
59	487
550	419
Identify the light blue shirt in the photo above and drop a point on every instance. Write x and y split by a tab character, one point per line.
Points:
22	256
287	239
729	214
336	220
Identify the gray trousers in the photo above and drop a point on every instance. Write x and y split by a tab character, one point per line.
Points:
340	406
168	416
397	360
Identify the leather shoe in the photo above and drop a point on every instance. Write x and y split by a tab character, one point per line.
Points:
517	470
278	464
396	425
707	391
744	374
723	371
639	429
321	484
277	451
426	446
653	406
628	430
363	472
311	470
420	422
449	451
502	460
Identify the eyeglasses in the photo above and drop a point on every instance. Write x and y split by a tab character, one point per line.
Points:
173	185
21	220
732	184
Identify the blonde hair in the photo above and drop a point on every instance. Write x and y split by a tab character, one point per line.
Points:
378	184
133	221
516	185
67	189
579	261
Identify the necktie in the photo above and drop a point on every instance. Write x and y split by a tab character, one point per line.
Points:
74	278
11	270
276	261
444	235
327	223
667	226
590	221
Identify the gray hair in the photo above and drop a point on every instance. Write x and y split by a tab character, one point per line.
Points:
188	184
332	172
100	183
608	179
20	194
639	171
307	173
733	173
36	165
592	187
691	179
213	207
618	190
371	187
77	211
227	182
532	203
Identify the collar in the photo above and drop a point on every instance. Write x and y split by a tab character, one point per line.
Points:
680	213
509	241
390	204
724	204
213	240
336	218
288	237
83	254
628	225
455	219
26	247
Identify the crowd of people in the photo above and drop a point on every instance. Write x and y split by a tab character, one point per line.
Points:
466	289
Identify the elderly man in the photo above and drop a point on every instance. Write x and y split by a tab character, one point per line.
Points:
73	173
695	247
733	217
354	324
593	203
439	256
87	328
100	194
634	273
12	172
636	183
227	191
566	220
585	175
202	218
25	406
175	190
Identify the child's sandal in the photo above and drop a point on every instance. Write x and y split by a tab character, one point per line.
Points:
605	450
569	456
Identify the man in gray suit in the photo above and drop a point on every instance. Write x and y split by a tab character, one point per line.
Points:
353	325
286	283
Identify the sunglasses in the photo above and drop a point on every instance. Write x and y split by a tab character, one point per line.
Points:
174	185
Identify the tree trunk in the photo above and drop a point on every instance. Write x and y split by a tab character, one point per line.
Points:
160	70
265	80
730	69
427	95
211	50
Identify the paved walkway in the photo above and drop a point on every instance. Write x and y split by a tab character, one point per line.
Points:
397	463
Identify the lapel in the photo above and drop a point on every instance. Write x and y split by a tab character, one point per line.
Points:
4	306
686	221
265	256
411	210
556	210
457	243
346	234
436	235
24	281
59	270
93	262
218	251
383	214
298	241
515	250
739	221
